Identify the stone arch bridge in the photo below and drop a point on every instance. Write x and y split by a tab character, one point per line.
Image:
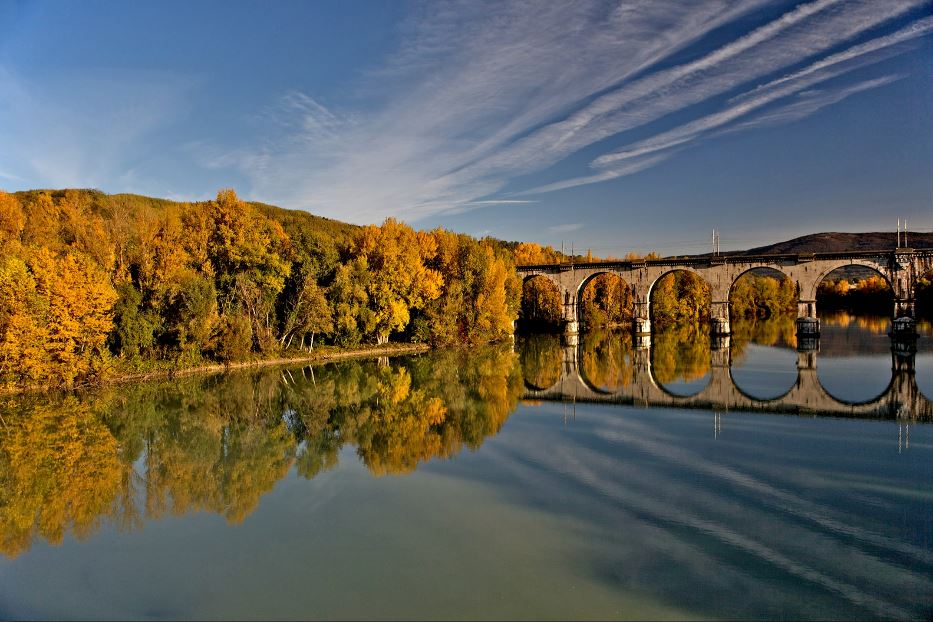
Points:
901	268
901	400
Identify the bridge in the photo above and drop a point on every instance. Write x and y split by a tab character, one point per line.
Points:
901	400
901	268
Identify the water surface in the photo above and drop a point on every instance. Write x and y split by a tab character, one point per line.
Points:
463	484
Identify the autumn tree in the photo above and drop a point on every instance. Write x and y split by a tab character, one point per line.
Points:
384	279
762	296
680	297
474	304
307	313
541	304
530	253
245	252
607	300
12	218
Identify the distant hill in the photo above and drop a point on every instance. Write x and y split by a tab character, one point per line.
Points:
833	242
115	206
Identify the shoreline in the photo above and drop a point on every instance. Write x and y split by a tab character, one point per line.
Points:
213	368
320	357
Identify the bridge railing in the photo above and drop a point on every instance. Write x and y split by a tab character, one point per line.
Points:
706	259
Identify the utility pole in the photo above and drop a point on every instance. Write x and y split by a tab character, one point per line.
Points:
898	233
906	245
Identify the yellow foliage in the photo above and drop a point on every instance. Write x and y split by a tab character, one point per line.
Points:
12	218
55	318
59	471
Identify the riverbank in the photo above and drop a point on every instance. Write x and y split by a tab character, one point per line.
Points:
322	355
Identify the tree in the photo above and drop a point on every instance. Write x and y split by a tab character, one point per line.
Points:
12	218
190	313
607	301
394	255
134	328
541	303
307	313
78	298
678	297
473	306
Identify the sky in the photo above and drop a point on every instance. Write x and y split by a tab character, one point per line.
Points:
609	126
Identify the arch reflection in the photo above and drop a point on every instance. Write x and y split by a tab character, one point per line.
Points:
898	395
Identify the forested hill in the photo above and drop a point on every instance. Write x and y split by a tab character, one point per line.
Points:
135	207
94	284
834	242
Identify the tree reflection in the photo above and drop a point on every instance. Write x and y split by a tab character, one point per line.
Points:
681	352
59	472
541	358
220	443
778	329
873	323
607	359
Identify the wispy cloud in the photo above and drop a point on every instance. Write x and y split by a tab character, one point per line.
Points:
501	202
566	228
642	154
481	94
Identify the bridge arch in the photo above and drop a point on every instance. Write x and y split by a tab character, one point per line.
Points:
542	300
542	361
619	311
762	400
606	361
656	313
810	288
781	278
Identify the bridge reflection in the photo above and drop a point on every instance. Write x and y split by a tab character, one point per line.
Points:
639	383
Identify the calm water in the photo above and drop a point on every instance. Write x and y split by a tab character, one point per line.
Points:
549	482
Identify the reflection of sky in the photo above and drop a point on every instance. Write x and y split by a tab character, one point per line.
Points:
686	388
924	371
765	372
855	379
590	512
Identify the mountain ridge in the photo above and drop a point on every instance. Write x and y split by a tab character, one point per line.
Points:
833	241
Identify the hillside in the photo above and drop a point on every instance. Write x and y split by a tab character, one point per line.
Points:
833	241
135	206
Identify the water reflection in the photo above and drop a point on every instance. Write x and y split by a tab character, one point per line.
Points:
673	506
684	368
219	443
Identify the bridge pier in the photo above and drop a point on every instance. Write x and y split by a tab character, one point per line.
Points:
721	352
806	359
903	324
719	318
808	325
641	323
571	321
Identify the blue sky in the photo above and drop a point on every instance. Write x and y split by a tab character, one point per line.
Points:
613	126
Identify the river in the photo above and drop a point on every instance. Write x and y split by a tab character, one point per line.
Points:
532	480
